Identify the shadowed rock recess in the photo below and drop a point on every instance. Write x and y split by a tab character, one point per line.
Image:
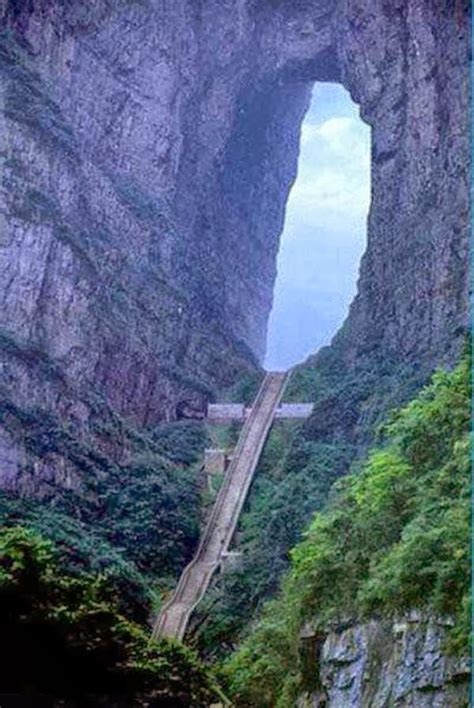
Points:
147	153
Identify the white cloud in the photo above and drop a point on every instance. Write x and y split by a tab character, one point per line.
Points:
329	189
325	227
334	128
333	172
342	136
308	133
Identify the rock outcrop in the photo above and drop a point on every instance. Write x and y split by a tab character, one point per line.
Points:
406	64
148	150
389	663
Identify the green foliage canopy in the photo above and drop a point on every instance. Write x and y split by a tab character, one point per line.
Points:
395	537
67	638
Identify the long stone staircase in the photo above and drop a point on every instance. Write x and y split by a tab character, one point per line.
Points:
195	578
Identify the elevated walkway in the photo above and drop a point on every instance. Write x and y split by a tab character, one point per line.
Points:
195	578
225	412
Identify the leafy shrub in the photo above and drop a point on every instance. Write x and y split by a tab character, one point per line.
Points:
82	550
181	442
246	389
394	537
67	639
139	520
294	479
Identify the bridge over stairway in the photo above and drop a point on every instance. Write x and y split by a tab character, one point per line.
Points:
220	528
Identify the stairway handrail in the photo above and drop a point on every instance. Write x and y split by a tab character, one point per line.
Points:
210	524
211	519
230	530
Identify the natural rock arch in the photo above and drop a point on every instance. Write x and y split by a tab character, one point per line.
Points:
168	145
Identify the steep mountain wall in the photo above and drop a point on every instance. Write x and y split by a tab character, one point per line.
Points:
407	65
148	149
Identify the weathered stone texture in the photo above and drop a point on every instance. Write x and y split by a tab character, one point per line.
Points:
147	152
400	663
406	63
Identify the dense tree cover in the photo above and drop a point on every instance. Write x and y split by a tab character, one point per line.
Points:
298	468
80	549
395	536
245	389
68	639
141	518
126	532
284	495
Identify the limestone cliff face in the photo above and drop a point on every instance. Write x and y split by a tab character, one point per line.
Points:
395	663
406	64
147	152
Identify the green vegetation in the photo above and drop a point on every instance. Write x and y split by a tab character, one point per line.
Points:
148	509
68	639
80	548
351	401
128	529
298	468
245	389
136	510
394	537
281	503
224	436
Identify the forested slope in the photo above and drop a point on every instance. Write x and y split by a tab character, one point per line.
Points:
395	537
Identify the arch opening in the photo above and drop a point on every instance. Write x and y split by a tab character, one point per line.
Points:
324	232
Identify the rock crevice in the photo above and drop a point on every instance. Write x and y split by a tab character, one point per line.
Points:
398	663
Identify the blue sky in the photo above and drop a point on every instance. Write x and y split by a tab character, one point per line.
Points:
325	229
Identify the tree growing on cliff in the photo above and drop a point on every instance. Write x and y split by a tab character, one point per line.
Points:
395	537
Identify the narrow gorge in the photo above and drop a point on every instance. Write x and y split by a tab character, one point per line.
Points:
148	150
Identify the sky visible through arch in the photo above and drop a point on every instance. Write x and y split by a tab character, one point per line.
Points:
325	229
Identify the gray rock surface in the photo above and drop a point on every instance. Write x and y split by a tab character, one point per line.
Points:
147	153
385	663
147	150
406	64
